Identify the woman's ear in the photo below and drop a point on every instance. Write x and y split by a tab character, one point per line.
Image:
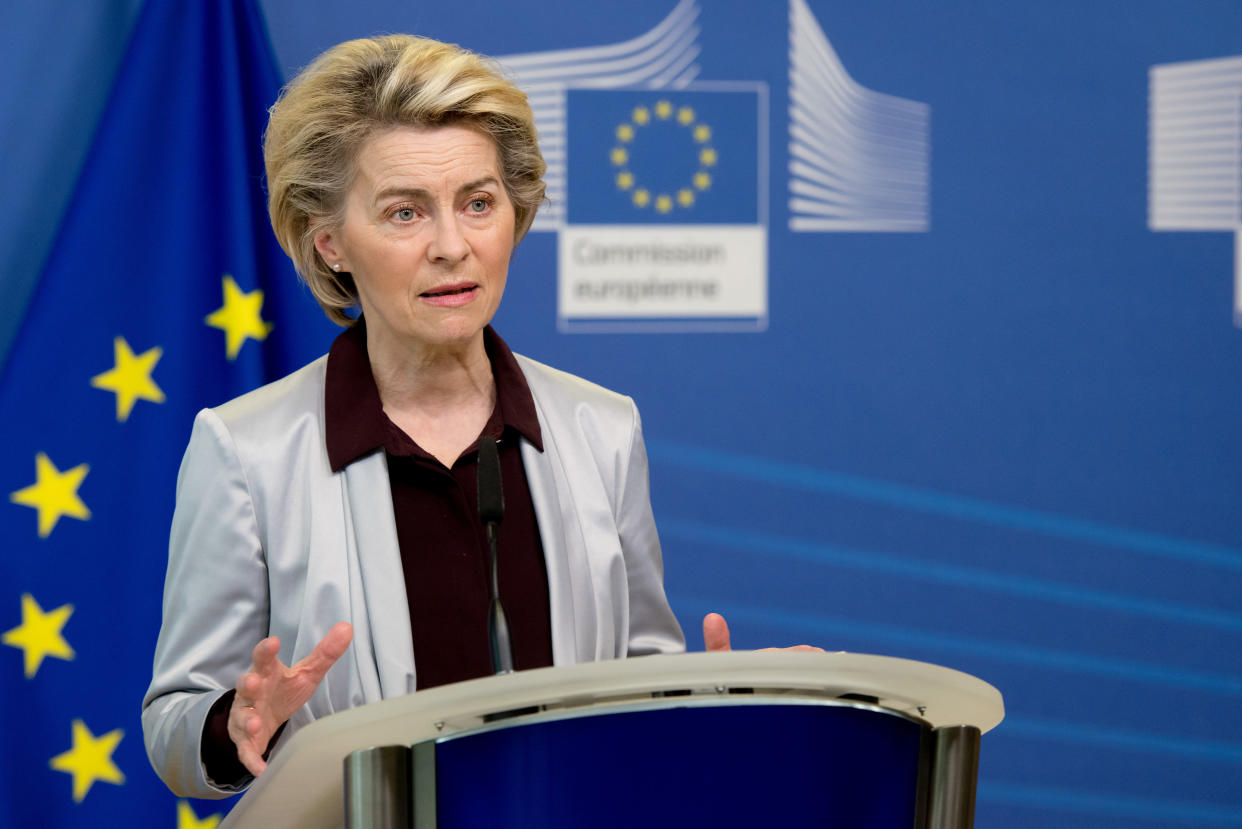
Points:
329	250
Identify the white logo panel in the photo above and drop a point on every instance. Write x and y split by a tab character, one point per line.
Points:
663	272
1195	151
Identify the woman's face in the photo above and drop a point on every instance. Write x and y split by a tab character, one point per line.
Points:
427	235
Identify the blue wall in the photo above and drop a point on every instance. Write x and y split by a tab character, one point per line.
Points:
1007	442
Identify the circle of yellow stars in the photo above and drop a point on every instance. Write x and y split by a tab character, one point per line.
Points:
54	495
627	133
89	758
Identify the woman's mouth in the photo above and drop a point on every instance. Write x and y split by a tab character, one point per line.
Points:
450	296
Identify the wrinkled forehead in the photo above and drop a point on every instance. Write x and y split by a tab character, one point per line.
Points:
441	159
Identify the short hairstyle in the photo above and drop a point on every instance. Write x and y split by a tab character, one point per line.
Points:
351	91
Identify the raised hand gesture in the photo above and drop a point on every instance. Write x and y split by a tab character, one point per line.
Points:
269	693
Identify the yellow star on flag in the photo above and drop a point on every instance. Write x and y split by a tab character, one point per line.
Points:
186	819
239	317
53	494
39	634
90	759
130	378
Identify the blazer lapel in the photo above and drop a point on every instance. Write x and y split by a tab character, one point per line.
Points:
570	597
377	581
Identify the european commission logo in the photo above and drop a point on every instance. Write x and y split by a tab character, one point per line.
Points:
1195	152
658	181
665	211
690	156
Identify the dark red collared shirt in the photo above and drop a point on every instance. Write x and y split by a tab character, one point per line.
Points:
443	545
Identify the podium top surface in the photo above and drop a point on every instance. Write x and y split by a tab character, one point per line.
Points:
302	785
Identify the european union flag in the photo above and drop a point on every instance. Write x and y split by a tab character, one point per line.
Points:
689	156
165	292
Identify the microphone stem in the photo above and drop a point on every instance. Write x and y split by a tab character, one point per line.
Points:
498	627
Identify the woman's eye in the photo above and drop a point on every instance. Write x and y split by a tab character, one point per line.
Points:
405	214
478	205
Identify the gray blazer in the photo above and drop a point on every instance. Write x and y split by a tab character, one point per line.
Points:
267	540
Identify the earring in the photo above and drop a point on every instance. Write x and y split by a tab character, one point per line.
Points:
337	267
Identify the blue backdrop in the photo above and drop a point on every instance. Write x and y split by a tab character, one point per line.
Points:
987	413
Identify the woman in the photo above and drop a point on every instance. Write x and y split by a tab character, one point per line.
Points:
330	516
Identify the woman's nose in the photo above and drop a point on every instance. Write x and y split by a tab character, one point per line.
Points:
448	244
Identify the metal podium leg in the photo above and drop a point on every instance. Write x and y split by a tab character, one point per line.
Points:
423	762
955	772
377	788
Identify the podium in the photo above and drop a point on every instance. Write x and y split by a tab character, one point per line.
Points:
721	739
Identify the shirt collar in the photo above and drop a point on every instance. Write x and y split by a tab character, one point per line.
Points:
354	421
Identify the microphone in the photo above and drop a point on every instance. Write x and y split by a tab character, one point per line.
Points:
491	492
491	511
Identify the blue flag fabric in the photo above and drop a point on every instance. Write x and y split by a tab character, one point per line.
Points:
164	293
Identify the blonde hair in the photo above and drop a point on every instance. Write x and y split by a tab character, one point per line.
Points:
326	113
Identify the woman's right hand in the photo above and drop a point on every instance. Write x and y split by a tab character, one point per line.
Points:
269	693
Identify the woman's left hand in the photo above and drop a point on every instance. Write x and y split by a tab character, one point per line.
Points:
716	636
